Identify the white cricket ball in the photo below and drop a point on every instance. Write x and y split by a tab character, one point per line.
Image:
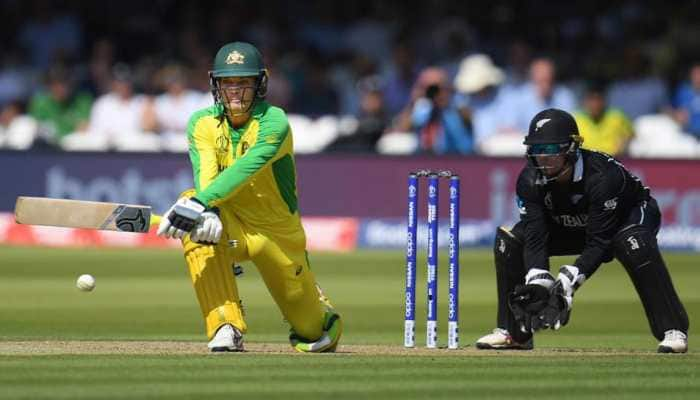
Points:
85	282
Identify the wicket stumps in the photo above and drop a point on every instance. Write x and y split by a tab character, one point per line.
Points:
432	272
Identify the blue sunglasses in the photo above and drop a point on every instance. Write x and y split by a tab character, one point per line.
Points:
549	149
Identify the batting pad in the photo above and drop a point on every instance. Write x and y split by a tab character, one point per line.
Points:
291	283
211	270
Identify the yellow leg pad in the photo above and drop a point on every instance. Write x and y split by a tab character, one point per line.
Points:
211	270
292	284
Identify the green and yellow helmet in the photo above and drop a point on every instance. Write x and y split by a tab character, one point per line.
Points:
238	59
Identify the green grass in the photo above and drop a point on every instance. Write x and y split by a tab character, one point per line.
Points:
339	377
146	295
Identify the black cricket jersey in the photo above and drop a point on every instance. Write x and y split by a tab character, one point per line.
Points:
595	204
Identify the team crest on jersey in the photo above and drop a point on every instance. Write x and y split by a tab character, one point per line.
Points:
235	57
548	201
222	144
244	147
610	204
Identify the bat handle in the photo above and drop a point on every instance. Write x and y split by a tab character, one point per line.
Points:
155	219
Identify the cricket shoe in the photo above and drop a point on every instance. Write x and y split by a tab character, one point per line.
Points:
227	338
327	343
500	339
674	341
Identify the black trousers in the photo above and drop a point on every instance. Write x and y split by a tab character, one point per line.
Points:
650	276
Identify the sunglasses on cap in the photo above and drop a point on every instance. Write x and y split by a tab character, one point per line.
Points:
549	149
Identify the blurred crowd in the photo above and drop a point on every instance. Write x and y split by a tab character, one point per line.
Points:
443	77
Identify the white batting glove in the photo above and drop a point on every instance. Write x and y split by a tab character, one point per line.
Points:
181	218
208	229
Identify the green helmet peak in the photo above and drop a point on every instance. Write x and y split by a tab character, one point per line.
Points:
237	59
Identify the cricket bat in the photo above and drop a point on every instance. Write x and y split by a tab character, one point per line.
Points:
84	214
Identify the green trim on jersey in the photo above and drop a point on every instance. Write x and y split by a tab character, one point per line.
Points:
272	132
283	170
212	111
306	254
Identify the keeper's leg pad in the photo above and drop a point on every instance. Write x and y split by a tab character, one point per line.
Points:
637	250
510	271
211	270
291	283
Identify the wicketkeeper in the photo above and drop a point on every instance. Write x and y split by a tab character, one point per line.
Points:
244	207
575	201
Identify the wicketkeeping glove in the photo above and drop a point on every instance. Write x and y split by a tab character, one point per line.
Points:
558	309
181	218
528	300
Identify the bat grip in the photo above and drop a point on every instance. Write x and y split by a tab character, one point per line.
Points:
155	219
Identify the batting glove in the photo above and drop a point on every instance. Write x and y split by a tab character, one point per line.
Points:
208	229
181	218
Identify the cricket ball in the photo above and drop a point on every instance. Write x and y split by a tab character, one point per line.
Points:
85	283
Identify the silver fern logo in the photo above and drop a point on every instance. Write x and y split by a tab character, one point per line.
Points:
541	123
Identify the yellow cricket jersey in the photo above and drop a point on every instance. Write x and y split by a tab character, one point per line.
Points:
609	135
248	170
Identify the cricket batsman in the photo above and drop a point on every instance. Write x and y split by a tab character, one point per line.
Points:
575	201
244	207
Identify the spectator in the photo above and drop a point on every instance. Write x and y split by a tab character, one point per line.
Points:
60	110
519	54
118	118
316	96
438	124
100	66
542	92
174	107
17	131
484	100
15	78
687	102
638	92
603	128
279	89
399	75
345	77
372	120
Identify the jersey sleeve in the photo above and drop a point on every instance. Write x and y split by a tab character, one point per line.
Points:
272	132
603	218
532	214
202	150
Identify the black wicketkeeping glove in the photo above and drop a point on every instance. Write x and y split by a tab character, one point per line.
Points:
555	313
525	302
558	309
